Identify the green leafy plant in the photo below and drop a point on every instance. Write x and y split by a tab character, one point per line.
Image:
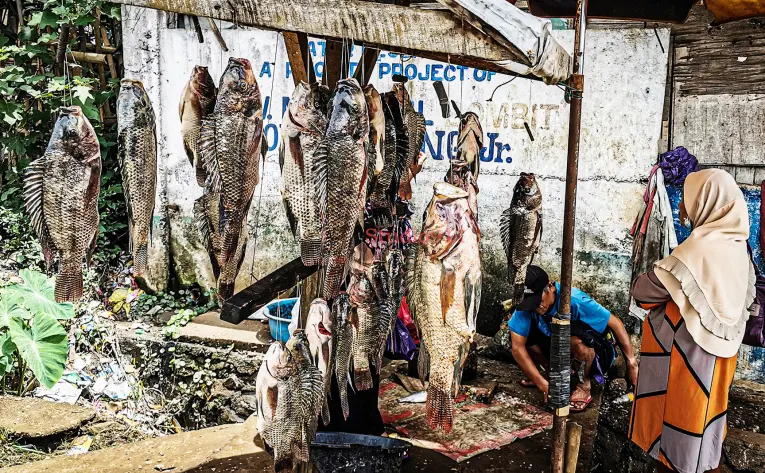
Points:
180	319
31	335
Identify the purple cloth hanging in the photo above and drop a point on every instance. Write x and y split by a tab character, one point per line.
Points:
677	164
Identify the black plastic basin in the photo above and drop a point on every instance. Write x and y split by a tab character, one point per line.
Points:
337	452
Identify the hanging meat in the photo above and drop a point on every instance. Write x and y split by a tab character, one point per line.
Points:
319	333
197	103
61	194
341	173
299	387
342	335
460	175
444	294
415	130
376	128
230	146
303	128
520	228
137	153
470	141
395	149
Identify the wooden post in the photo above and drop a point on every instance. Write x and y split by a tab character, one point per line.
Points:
335	67
308	292
574	439
300	67
367	64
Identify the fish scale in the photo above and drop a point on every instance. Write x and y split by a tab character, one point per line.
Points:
230	145
303	127
197	102
137	153
341	180
366	330
61	195
444	293
342	336
520	229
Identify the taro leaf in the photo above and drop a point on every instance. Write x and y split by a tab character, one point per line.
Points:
7	348
38	293
10	306
44	347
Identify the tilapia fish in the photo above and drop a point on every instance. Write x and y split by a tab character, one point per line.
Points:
396	147
470	141
303	128
137	152
298	402
366	333
415	129
61	194
319	332
342	336
395	261
444	294
386	310
230	145
341	175
460	175
520	228
197	103
376	127
272	369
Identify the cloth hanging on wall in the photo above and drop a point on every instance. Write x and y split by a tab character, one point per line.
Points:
653	231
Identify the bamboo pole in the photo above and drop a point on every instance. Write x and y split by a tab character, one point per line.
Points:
574	440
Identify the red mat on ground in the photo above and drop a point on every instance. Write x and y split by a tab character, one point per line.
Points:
477	427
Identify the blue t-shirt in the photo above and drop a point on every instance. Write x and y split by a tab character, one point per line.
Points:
583	308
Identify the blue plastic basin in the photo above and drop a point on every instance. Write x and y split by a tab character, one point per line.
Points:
279	316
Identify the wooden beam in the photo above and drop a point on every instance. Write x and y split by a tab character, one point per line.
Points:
367	64
237	308
305	52
335	63
295	56
430	34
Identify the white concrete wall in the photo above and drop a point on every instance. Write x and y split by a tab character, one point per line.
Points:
621	125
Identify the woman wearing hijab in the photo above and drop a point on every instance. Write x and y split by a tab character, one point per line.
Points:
699	299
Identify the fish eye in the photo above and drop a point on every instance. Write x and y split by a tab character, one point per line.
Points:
242	85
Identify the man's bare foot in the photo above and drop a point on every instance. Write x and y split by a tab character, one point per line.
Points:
580	399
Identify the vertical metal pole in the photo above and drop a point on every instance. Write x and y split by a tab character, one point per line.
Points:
560	387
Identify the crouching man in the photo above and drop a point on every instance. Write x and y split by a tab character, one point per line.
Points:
594	336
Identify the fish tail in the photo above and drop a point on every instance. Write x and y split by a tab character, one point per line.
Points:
310	250
334	276
283	465
69	283
440	408
225	290
325	413
343	385
362	378
141	259
518	291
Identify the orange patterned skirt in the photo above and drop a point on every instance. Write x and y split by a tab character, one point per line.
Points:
679	415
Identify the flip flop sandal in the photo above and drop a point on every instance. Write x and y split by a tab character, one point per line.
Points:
585	401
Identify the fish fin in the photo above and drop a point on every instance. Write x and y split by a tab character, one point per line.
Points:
141	259
200	172
411	281
402	148
537	235
320	175
440	408
203	224
363	378
33	199
448	281
264	146
423	362
505	235
92	246
297	153
458	365
419	134
69	281
290	217
312	384
207	152
325	416
370	170
189	152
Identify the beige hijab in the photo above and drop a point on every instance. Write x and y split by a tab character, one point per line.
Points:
710	276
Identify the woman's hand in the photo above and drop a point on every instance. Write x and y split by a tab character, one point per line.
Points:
632	370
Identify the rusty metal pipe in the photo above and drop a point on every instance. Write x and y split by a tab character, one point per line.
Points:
576	86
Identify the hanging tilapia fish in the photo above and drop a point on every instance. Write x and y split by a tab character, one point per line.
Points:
396	147
137	153
521	231
376	128
444	294
386	310
341	175
460	175
319	332
395	262
415	129
299	399
342	337
470	141
366	327
230	145
197	103
272	369
303	128
61	194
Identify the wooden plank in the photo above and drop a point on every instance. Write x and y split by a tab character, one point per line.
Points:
245	302
367	64
335	63
436	35
305	51
308	292
295	56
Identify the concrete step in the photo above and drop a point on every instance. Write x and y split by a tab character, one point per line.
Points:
228	448
32	418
